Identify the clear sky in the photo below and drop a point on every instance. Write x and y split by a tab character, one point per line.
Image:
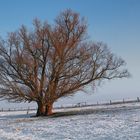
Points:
115	22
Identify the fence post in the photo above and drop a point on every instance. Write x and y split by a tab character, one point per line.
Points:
28	110
123	100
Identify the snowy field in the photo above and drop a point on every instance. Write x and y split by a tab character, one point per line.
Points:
113	122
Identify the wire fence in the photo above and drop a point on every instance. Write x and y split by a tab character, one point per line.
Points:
80	104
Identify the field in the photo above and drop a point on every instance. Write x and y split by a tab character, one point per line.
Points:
112	122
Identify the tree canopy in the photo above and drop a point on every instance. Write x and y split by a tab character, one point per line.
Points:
54	61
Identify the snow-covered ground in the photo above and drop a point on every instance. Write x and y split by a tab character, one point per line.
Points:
114	122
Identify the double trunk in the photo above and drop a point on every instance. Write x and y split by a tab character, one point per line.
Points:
44	109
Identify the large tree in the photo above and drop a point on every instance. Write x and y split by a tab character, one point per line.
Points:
54	61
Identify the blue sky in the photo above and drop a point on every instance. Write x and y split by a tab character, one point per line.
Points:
115	22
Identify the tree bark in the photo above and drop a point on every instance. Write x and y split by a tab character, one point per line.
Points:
43	109
49	108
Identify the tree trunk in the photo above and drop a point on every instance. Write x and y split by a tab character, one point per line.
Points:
41	111
44	110
49	108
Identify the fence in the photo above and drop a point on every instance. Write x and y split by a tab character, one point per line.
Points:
81	104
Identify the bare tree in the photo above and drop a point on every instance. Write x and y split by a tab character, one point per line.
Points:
54	61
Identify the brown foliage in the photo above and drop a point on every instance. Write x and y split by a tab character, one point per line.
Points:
50	62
